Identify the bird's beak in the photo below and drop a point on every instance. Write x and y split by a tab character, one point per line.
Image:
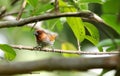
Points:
35	33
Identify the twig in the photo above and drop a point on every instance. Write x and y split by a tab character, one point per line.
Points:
78	45
33	26
59	64
2	11
14	2
21	10
88	15
56	6
11	13
63	51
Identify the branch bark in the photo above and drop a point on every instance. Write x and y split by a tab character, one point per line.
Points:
85	15
63	51
59	64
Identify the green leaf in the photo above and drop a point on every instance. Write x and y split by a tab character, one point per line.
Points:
68	46
108	43
94	33
103	72
34	3
59	26
110	14
111	6
91	39
38	9
83	6
111	20
75	23
62	4
77	27
54	24
10	54
42	8
111	48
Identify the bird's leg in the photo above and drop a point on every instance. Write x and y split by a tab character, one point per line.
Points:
52	48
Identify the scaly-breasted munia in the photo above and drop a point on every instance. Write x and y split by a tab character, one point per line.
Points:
45	38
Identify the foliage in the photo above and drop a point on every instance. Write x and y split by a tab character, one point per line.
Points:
36	7
9	52
110	12
76	24
109	43
68	46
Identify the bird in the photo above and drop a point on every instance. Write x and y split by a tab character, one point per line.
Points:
45	38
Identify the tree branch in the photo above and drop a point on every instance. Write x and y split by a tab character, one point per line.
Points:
21	10
63	51
85	15
59	64
56	6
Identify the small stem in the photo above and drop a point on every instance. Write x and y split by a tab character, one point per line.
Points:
78	43
56	6
33	26
21	10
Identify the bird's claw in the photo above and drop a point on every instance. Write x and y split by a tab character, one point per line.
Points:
37	48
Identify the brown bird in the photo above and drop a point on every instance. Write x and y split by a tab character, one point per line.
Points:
45	38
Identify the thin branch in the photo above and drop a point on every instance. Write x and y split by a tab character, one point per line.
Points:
21	10
11	13
62	51
88	15
14	2
78	45
34	26
56	6
59	64
7	14
2	11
